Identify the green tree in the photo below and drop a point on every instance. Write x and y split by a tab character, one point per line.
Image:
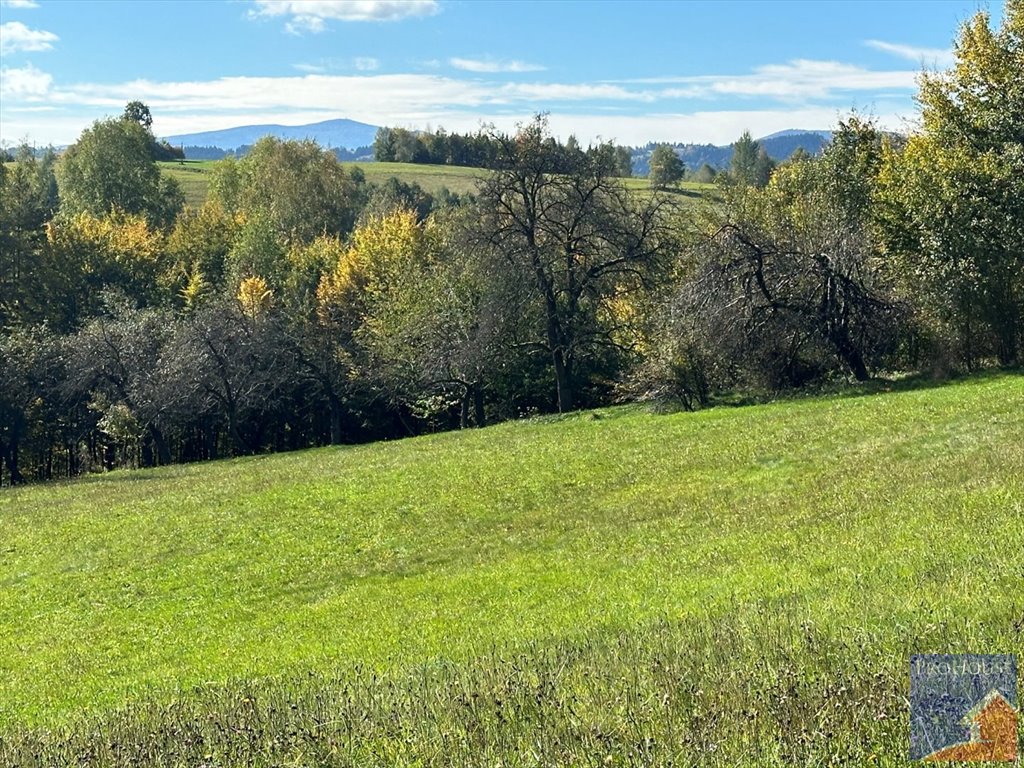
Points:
750	164
788	285
666	167
111	167
137	112
952	202
28	199
298	188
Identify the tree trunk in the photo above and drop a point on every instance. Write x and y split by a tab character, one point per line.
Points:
12	465
1007	335
563	381
334	404
850	355
163	452
467	394
478	405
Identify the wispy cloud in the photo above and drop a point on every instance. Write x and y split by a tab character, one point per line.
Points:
26	83
493	65
313	69
311	15
15	36
23	4
335	64
939	57
800	79
799	93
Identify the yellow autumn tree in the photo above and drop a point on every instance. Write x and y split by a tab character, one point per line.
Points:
255	297
377	253
119	250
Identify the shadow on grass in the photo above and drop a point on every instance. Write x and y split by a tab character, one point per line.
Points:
833	390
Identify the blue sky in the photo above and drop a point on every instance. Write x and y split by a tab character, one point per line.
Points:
629	71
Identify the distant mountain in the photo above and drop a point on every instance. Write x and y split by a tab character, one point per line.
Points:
779	147
346	134
796	132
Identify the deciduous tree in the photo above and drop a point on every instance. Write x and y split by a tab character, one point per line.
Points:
575	235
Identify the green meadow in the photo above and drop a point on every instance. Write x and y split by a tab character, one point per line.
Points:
194	178
618	587
432	178
192	175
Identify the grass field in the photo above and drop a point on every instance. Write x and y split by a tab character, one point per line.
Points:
432	178
739	585
193	176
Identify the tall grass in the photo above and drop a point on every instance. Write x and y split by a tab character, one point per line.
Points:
761	689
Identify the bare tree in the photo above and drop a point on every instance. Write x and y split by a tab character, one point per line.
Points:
568	228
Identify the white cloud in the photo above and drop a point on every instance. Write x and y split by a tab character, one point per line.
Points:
492	65
399	94
366	63
301	24
311	15
798	94
799	79
23	4
26	83
546	92
314	69
938	57
15	36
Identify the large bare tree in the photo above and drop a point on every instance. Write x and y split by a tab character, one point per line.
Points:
570	230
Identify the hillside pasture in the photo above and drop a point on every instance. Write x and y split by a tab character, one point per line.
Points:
618	558
194	178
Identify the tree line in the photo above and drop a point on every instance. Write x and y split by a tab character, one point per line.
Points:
301	305
483	149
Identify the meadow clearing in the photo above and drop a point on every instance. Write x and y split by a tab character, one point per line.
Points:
741	585
194	178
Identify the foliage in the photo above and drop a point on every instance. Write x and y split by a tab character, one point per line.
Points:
28	199
110	168
137	112
478	150
299	189
787	285
198	251
576	236
90	253
952	202
750	164
666	167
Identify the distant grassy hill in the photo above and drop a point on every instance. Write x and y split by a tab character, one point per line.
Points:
194	178
774	562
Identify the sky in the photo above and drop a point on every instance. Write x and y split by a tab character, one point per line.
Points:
631	72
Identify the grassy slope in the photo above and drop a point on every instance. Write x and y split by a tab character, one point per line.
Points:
193	175
880	512
432	178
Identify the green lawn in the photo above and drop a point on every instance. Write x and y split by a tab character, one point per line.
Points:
432	178
192	175
194	178
872	525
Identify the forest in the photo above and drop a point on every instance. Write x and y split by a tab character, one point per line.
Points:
301	305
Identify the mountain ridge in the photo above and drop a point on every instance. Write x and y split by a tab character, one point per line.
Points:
337	133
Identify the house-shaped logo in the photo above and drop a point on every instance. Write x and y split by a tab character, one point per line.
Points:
964	707
993	728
